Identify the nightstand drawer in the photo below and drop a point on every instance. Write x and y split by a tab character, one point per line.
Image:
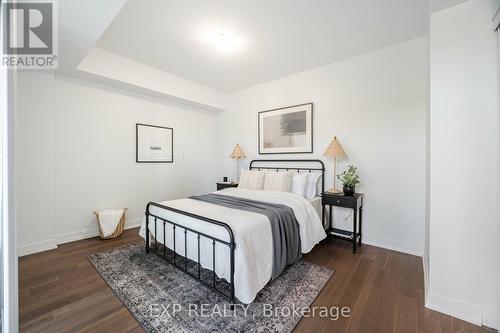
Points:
339	201
221	186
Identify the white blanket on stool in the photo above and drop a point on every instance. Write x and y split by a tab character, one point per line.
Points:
108	220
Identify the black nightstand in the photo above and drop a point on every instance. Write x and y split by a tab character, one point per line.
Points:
355	203
222	185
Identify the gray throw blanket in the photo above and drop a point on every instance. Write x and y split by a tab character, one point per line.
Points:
284	226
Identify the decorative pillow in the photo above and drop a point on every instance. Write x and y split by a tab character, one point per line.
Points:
312	184
299	182
278	181
251	180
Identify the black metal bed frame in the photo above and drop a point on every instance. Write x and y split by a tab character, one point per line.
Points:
231	244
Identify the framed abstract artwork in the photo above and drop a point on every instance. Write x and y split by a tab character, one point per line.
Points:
154	144
287	130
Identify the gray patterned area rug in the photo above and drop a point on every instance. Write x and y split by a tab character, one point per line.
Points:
164	299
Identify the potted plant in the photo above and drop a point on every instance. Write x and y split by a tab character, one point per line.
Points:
349	179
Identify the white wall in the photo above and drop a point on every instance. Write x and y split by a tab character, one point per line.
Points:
8	240
376	105
464	278
76	153
34	160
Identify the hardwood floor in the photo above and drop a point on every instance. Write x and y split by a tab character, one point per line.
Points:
60	291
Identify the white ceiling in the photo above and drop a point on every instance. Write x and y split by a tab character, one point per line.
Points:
80	27
278	37
437	5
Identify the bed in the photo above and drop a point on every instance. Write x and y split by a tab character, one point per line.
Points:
237	246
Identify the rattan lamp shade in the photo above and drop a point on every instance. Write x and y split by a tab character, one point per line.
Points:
237	153
335	150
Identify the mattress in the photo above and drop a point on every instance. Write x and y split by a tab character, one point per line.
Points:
316	203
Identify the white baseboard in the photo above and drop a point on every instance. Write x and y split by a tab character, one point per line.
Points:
455	308
92	232
491	320
46	245
69	237
76	235
131	224
390	244
425	265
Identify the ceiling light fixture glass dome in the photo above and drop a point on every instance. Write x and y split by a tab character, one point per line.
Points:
223	41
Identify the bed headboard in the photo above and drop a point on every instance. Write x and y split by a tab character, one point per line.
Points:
291	165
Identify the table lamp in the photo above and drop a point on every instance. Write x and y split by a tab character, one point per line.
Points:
334	150
237	154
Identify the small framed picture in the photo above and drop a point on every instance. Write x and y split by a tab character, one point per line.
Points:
154	144
287	130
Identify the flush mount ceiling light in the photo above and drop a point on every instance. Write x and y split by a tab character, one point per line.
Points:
223	42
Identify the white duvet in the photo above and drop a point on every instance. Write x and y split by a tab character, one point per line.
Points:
252	233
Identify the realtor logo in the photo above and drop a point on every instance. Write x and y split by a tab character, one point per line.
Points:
29	35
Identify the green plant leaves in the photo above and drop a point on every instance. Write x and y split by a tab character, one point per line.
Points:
350	177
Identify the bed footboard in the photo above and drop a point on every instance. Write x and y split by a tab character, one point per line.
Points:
161	251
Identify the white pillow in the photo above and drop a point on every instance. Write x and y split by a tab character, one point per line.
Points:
251	180
278	181
299	182
312	183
